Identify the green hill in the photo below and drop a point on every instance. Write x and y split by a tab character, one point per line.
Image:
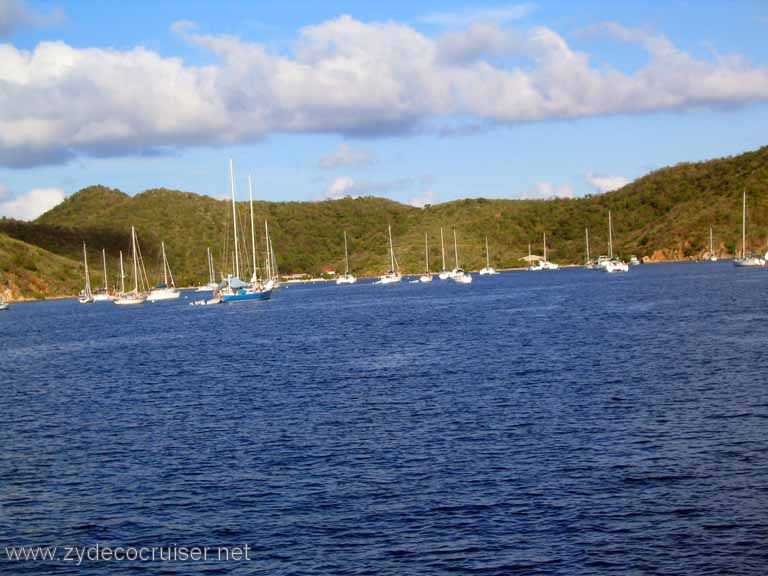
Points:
664	215
30	272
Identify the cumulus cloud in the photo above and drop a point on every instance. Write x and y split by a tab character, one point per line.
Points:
343	77
602	183
30	205
347	156
344	186
16	14
545	190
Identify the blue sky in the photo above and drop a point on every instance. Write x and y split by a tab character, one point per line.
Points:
419	102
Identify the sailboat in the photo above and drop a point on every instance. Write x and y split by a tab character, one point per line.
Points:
712	255
3	305
166	290
427	276
233	289
545	264
86	296
745	260
134	296
102	294
393	274
612	264
444	274
458	274
588	263
347	278
211	286
487	270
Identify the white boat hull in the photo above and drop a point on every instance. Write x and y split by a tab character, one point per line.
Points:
425	278
749	262
444	275
616	266
462	278
3	306
130	299
158	295
390	279
487	271
103	298
346	279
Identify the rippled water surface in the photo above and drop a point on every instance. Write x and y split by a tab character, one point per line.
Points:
553	423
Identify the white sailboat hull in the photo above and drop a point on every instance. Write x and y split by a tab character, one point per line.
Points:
163	294
424	278
389	279
130	299
103	298
752	262
487	271
616	266
346	279
3	306
462	278
444	275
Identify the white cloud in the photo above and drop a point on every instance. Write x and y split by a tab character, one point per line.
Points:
602	183
345	155
343	186
344	77
545	190
489	15
16	14
428	196
32	204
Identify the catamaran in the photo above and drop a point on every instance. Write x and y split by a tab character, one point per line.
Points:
233	289
393	274
444	274
347	278
135	296
458	274
612	264
544	264
427	276
86	296
747	259
487	270
102	294
166	290
211	286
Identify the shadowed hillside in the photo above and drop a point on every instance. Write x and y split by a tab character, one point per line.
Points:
664	215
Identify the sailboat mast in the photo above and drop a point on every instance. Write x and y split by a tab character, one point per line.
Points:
268	263
586	233
610	236
744	227
234	215
455	248
253	228
487	255
165	264
346	255
135	261
122	274
442	247
545	246
711	243
391	248
426	251
87	276
210	267
104	259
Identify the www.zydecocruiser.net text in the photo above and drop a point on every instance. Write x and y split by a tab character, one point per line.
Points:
98	553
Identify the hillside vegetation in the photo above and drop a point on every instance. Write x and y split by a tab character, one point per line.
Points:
664	215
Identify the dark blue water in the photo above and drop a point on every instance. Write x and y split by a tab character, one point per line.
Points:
553	423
